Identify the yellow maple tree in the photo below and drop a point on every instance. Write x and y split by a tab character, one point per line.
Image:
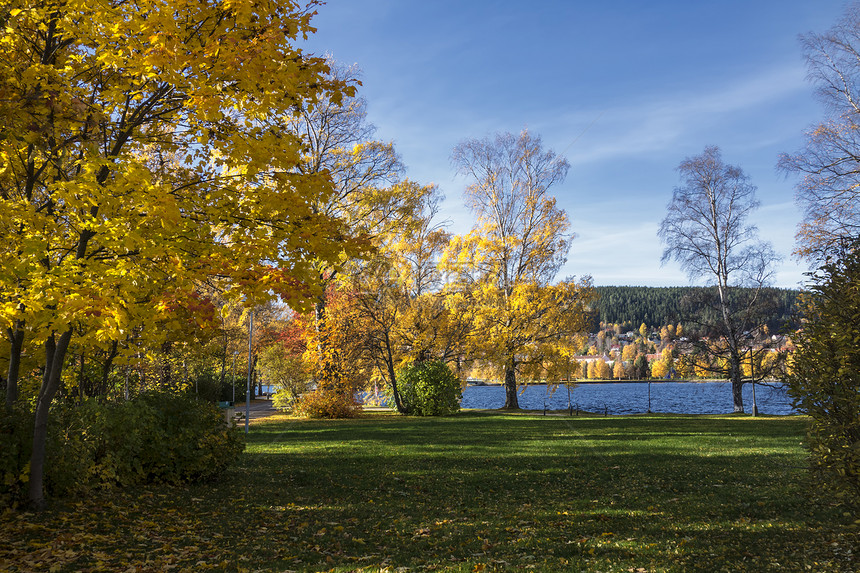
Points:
142	151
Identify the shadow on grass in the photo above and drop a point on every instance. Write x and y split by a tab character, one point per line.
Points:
481	492
688	492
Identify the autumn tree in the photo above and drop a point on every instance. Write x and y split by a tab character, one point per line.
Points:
509	260
581	370
828	191
665	335
602	370
370	194
340	366
283	363
142	153
824	373
706	231
662	368
618	369
410	317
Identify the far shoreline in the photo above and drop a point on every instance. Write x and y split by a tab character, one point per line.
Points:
654	381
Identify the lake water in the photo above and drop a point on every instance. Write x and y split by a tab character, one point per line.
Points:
632	398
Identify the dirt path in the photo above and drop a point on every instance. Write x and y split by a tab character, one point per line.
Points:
260	408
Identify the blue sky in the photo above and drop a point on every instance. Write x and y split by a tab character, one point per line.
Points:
624	89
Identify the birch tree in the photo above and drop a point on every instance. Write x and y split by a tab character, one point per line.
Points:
509	261
828	191
706	230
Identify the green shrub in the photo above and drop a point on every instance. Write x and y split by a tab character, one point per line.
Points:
207	386
823	376
283	400
153	438
67	453
287	372
159	437
429	388
16	439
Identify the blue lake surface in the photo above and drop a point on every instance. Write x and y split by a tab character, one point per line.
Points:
632	398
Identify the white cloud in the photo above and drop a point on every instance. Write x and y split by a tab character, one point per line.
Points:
665	119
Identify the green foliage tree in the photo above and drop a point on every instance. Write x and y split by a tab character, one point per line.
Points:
429	388
634	305
287	372
824	373
641	368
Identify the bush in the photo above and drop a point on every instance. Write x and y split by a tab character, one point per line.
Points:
154	438
159	437
823	376
327	402
287	373
429	388
207	386
16	440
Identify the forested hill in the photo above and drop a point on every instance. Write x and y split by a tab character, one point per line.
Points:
658	306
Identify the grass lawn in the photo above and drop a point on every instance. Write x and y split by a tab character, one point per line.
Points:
473	492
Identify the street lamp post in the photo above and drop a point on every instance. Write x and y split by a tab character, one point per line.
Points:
250	369
752	379
649	395
233	376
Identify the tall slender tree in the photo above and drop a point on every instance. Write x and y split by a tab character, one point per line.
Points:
370	194
510	259
706	230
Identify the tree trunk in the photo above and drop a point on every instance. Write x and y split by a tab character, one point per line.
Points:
398	401
16	339
106	368
55	354
731	337
737	382
511	398
224	359
319	313
392	378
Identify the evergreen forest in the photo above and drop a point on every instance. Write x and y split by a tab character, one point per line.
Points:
631	306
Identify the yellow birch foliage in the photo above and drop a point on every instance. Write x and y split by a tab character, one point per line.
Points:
532	323
661	368
618	369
